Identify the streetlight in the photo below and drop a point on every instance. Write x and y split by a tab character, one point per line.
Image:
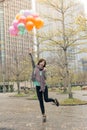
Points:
35	38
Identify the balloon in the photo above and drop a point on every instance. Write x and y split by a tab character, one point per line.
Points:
21	27
22	32
29	26
15	23
22	19
22	12
31	12
11	28
27	13
30	18
13	31
18	16
35	15
38	23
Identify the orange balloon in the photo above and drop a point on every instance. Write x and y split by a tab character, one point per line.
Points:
18	16
29	25
30	18
38	23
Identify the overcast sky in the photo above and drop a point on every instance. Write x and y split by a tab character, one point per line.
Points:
85	5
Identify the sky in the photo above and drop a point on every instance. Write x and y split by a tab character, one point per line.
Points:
85	5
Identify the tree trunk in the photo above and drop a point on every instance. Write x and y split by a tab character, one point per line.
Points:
67	76
18	86
65	71
70	91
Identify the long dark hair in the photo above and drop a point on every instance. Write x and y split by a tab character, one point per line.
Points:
41	60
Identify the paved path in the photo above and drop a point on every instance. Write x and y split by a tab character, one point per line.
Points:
24	114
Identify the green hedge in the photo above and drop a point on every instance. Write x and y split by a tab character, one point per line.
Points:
8	88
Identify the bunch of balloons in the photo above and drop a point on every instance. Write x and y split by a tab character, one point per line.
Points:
24	21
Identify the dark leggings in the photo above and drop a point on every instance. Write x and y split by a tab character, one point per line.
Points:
42	95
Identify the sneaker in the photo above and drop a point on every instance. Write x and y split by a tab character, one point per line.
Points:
56	102
44	118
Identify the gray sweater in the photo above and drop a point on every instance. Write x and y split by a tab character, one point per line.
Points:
39	75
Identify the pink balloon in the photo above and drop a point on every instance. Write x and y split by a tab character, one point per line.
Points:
13	30
15	23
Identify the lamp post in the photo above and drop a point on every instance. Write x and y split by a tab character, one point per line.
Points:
35	37
33	5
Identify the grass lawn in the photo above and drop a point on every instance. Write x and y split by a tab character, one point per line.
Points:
31	95
73	101
76	88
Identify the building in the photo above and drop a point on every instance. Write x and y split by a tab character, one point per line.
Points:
12	48
84	64
55	26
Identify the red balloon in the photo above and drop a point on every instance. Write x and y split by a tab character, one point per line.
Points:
35	15
22	19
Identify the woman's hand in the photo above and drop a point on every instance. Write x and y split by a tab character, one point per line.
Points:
30	50
45	69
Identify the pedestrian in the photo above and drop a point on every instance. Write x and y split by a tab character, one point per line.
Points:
39	80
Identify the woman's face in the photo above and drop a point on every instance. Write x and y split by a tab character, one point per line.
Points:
41	64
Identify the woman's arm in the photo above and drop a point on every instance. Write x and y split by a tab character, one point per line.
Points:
32	60
44	73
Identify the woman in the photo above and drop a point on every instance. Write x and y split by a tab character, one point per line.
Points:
39	80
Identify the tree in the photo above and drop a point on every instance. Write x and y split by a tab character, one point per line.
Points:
62	32
20	70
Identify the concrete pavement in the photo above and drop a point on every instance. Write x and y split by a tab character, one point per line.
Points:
24	114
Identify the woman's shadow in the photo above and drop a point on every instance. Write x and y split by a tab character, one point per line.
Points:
44	126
